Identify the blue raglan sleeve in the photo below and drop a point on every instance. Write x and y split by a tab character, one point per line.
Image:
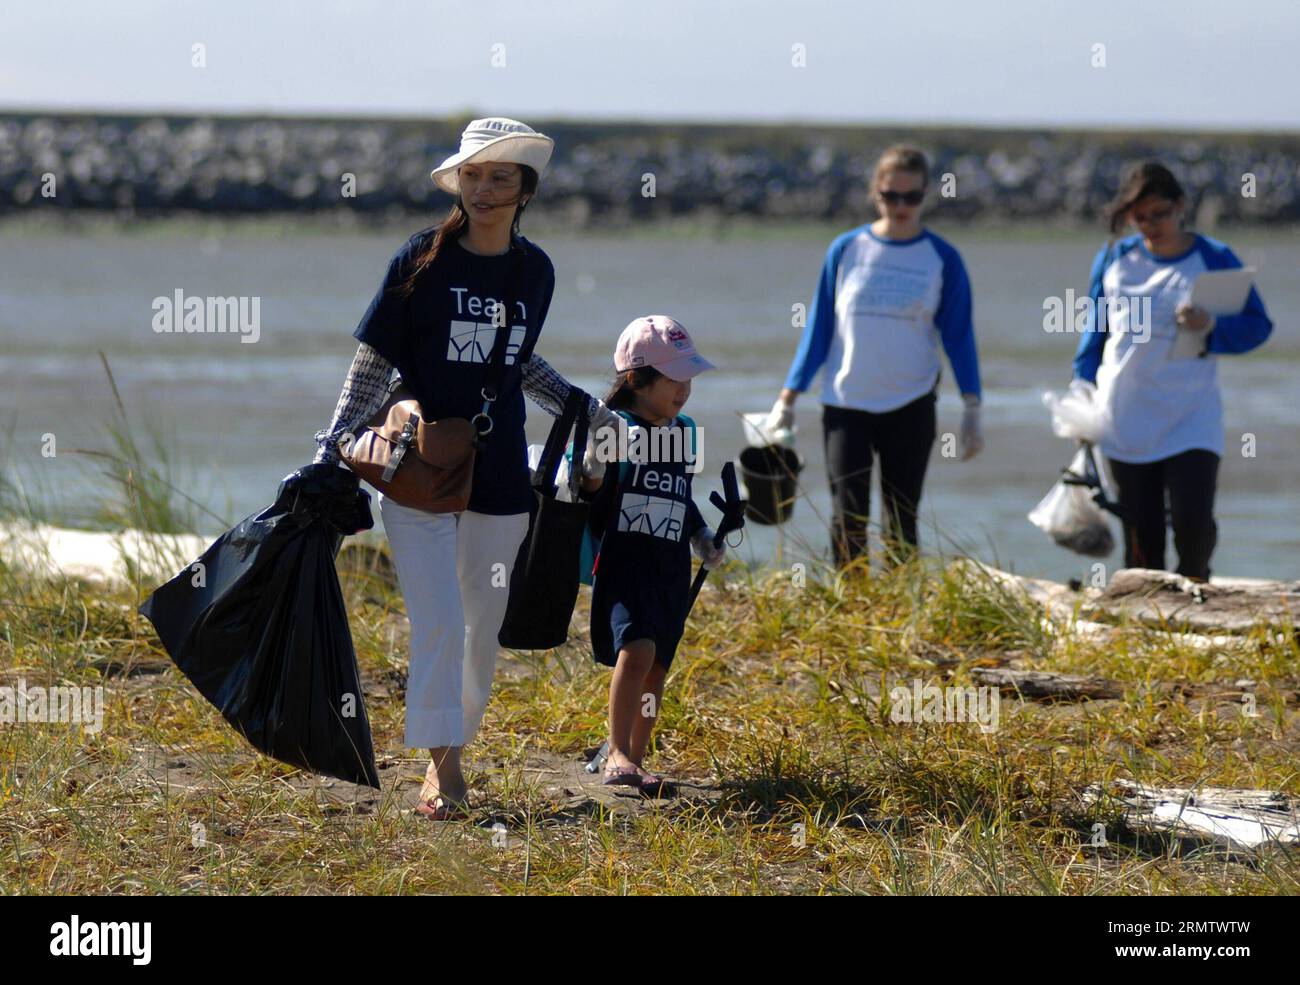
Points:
816	340
955	321
1233	334
1087	357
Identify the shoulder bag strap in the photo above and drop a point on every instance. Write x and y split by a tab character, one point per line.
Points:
496	369
574	411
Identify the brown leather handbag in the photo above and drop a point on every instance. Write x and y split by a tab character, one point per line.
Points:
426	465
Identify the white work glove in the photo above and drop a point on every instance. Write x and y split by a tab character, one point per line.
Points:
592	466
603	417
972	435
603	421
702	544
781	417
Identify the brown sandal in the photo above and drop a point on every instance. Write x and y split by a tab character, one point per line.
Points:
437	806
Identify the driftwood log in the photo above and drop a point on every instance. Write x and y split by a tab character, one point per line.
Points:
1232	819
1162	599
1045	686
1215	615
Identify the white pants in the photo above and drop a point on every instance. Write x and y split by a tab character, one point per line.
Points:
454	571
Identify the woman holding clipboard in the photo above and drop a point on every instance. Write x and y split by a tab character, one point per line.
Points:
1153	355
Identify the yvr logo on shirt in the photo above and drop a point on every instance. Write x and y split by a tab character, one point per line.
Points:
653	515
471	341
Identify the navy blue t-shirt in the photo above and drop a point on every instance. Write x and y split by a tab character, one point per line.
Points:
440	338
644	517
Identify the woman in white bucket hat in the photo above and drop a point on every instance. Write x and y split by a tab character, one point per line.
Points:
495	140
432	322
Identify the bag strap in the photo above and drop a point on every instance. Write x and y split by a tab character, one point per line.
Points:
496	368
573	417
581	429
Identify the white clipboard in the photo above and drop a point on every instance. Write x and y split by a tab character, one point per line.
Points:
1223	292
1220	292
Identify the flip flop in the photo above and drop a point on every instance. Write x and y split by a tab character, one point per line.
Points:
655	786
621	776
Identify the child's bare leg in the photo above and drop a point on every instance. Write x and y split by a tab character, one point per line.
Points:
652	693
626	686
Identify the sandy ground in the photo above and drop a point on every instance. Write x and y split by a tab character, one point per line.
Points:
100	558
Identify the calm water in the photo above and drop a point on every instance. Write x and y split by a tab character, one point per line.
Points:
237	417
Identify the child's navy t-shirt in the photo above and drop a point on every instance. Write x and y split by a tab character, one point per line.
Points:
644	516
440	337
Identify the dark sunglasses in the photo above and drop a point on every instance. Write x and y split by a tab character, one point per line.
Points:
907	198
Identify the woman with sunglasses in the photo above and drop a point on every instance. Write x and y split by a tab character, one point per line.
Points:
890	293
1163	430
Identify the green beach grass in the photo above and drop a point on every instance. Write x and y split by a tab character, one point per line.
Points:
799	780
795	777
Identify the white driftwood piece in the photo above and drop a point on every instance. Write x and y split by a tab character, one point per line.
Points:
1160	602
1233	819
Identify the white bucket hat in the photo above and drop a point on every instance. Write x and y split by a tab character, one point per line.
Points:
494	139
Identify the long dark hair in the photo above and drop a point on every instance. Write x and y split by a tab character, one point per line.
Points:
453	226
621	395
1138	181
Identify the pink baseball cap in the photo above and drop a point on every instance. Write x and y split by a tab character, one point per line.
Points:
661	342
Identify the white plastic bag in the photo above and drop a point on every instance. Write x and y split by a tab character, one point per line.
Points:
561	474
759	435
1079	413
1069	516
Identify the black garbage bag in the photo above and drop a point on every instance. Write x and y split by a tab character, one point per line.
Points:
258	624
544	579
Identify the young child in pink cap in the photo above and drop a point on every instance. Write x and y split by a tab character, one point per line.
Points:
646	522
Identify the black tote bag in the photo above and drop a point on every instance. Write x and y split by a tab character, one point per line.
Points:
258	624
544	580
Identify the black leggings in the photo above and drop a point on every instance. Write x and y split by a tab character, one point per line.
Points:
903	439
1190	479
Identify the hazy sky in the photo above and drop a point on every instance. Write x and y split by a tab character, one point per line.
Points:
1027	62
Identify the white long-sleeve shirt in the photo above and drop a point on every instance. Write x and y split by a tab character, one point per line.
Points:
1157	404
881	311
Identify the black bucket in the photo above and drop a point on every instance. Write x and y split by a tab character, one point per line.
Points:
770	475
